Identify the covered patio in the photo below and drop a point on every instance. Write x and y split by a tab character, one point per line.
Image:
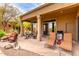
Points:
53	17
63	17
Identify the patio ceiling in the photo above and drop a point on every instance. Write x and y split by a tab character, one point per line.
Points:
54	14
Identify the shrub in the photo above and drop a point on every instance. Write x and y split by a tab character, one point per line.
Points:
2	33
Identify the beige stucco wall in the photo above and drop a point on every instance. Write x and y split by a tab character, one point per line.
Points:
65	19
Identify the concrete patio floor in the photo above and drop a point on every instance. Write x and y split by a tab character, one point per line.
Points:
17	52
39	47
76	49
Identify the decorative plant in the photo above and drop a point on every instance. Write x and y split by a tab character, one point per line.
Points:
2	33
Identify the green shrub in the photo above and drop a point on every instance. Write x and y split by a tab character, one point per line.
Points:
2	33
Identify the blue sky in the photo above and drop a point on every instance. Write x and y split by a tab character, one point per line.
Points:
24	7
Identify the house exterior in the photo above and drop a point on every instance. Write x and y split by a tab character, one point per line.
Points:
64	17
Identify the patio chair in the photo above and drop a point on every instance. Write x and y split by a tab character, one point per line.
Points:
5	38
67	42
51	40
34	35
13	37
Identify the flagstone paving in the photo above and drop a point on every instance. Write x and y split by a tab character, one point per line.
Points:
1	53
16	52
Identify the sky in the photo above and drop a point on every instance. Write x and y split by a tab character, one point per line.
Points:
25	7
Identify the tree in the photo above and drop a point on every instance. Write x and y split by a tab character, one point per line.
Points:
13	23
7	12
26	25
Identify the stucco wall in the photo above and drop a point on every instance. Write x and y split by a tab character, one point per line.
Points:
67	23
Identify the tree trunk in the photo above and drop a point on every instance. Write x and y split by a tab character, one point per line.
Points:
1	26
21	28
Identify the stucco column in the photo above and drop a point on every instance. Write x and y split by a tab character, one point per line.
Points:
41	27
38	27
